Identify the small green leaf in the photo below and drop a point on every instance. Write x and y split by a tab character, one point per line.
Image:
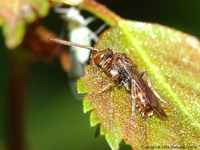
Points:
86	105
93	119
14	15
173	60
81	87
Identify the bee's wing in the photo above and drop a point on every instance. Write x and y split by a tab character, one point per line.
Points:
152	98
153	101
146	90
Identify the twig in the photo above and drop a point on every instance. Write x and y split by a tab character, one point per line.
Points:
17	95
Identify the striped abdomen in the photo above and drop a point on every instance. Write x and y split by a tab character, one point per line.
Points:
143	104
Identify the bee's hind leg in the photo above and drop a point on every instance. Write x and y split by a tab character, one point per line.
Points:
133	95
150	83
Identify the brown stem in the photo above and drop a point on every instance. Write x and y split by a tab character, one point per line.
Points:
17	95
101	11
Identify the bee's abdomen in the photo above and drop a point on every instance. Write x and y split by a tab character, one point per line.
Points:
143	104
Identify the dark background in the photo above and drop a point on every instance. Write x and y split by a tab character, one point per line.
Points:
54	119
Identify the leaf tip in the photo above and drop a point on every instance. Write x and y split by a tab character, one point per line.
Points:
81	87
86	105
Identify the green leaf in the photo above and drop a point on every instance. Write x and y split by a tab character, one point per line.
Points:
14	15
173	60
81	87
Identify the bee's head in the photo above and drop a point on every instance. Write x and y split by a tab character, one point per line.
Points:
102	57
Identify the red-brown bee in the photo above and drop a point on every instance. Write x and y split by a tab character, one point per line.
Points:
121	69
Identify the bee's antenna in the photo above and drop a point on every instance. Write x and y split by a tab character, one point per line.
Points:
63	42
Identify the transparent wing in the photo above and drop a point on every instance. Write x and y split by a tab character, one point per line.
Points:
152	98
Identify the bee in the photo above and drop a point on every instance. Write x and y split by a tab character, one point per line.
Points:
121	70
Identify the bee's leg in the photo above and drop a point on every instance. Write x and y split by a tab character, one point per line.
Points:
150	84
156	93
109	84
106	63
133	93
149	81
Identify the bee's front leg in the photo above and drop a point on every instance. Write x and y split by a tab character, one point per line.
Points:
109	83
